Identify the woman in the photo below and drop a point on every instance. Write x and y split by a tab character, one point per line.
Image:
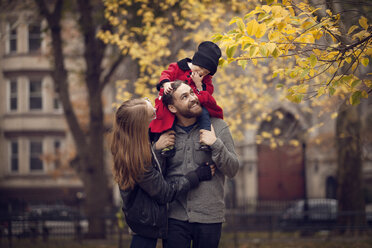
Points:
137	170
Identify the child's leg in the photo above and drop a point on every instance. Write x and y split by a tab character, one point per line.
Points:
204	120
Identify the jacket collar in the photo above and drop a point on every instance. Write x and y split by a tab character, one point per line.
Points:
182	64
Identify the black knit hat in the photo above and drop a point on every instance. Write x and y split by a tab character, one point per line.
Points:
207	56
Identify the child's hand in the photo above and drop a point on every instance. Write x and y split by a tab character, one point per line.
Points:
207	137
167	88
166	139
197	80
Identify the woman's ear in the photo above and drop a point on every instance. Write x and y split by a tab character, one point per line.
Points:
172	109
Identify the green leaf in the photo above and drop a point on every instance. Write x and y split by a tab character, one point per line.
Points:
221	62
245	46
217	37
243	63
238	36
279	85
233	20
233	32
313	60
296	98
305	72
263	16
253	51
355	97
355	83
347	78
263	51
230	51
240	24
331	91
253	12
276	53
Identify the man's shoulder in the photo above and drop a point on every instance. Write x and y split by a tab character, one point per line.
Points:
218	123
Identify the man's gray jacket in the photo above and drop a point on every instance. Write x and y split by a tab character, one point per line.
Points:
204	204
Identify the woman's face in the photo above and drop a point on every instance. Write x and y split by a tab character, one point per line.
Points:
151	110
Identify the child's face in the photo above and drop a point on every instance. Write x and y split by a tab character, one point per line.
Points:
200	70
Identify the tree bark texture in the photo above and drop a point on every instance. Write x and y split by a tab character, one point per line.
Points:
89	146
351	205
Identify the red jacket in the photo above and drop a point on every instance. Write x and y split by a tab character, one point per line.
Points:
181	71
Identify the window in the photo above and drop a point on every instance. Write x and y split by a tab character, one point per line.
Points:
36	102
36	150
56	102
13	40
13	95
14	162
57	153
34	37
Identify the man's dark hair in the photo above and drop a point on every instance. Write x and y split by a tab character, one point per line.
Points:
168	98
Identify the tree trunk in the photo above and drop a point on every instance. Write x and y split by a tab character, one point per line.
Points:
351	205
89	146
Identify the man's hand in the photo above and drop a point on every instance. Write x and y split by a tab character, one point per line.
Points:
208	137
167	88
197	80
166	139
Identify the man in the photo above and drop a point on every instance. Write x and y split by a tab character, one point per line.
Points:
198	215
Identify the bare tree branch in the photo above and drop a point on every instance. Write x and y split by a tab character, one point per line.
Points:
112	70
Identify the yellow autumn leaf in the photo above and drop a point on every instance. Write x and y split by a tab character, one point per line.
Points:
279	115
352	28
252	27
363	22
334	115
294	142
266	135
254	61
253	51
364	94
261	30
291	11
364	61
277	131
266	8
271	47
273	145
302	89
274	36
313	60
321	91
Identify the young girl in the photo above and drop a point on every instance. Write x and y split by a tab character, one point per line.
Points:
198	74
135	166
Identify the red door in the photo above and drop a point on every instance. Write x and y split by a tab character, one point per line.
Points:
280	173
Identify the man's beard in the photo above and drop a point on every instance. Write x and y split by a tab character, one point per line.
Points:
191	111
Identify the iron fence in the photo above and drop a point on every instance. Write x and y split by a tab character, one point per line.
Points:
45	222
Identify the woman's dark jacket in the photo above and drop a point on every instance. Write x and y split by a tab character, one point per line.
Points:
150	221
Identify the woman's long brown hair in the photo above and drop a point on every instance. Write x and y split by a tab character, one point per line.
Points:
130	142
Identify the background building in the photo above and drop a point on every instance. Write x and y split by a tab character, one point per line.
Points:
36	148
